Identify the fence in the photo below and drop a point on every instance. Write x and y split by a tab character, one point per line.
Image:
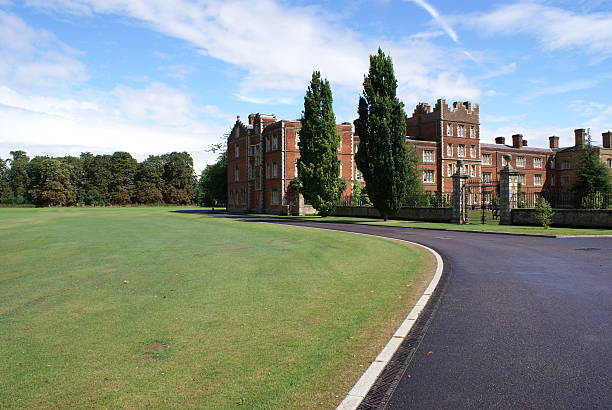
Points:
424	200
565	200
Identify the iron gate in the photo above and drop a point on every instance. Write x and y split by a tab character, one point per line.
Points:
481	201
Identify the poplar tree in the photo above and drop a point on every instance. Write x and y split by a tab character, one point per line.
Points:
383	158
318	166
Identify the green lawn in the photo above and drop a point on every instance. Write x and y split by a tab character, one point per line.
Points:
475	225
145	307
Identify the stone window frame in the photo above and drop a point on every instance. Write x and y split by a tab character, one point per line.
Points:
487	177
274	169
461	131
429	155
461	151
426	174
537	162
486	159
275	143
537	180
520	162
237	150
274	197
449	149
449	129
521	179
473	151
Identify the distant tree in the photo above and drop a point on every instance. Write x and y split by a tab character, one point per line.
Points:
179	178
383	158
50	182
213	183
97	177
74	167
593	181
318	165
18	176
6	193
150	181
121	188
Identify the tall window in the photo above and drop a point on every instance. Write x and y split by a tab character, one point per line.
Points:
451	169
486	177
537	180
565	165
274	169
237	150
486	159
428	155
267	170
449	150
472	132
552	180
472	151
461	131
537	162
520	161
236	173
297	140
275	197
274	143
461	150
428	176
449	129
339	169
472	170
521	179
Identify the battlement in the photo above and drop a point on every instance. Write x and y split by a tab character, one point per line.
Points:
459	111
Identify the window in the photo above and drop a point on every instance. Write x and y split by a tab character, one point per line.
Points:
267	144
609	162
296	168
428	176
274	143
237	150
339	169
520	161
297	140
451	169
537	162
473	151
565	165
449	150
486	159
472	170
461	131
461	150
564	180
275	197
267	170
428	155
521	179
552	163
236	173
552	180
472	132
274	170
449	129
486	177
537	180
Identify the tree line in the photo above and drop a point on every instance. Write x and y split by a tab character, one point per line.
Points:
100	180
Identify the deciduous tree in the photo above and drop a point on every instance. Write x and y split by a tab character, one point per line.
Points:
18	176
50	183
593	181
213	183
179	178
149	181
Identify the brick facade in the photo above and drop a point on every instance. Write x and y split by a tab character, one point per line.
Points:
262	155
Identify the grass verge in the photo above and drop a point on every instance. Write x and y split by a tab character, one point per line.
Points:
144	307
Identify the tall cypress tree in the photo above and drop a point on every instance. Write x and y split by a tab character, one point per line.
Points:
383	159
318	165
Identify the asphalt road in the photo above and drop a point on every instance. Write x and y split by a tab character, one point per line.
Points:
522	322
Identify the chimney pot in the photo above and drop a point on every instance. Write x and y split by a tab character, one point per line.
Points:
553	141
517	140
607	137
580	135
500	140
524	143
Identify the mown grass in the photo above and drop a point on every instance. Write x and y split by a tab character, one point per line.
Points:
144	307
475	225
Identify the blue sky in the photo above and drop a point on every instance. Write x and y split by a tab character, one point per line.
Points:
155	76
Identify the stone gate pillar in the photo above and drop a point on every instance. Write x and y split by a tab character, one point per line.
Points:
459	180
508	186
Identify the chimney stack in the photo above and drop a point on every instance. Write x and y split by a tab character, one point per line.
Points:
607	137
580	134
524	143
517	140
500	140
553	142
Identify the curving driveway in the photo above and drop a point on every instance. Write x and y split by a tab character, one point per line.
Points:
520	322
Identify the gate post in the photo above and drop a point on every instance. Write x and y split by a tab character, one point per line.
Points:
459	180
508	183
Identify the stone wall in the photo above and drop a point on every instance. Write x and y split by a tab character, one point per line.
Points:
411	214
574	218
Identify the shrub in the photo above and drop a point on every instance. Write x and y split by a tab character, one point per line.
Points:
544	212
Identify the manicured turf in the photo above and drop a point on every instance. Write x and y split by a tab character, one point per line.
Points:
145	307
473	226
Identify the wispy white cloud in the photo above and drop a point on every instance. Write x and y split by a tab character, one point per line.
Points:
279	53
554	27
438	18
560	88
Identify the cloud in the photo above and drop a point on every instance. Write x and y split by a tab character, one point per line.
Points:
562	88
438	18
124	119
555	28
499	71
278	54
31	58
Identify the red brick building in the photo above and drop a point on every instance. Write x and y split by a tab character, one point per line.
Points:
262	156
262	160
